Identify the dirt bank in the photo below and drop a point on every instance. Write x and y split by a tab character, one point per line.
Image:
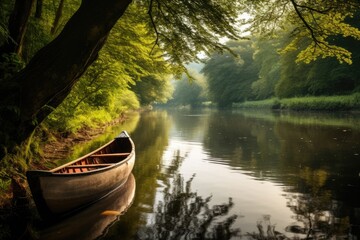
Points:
61	145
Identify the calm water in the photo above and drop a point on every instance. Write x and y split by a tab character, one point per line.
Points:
239	175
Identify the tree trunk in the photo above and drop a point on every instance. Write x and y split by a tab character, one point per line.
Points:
48	78
57	17
17	26
39	6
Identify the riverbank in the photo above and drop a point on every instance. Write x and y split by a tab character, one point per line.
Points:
61	145
41	152
319	103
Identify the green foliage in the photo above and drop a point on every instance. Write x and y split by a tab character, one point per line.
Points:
151	90
190	92
271	103
125	75
323	103
332	24
185	28
142	61
230	77
267	59
332	103
16	164
292	80
319	22
321	77
10	64
38	35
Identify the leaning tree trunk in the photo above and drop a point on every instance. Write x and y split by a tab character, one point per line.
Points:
48	78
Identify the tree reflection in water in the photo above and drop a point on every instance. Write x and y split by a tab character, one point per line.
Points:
185	215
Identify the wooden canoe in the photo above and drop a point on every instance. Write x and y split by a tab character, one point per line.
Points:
94	221
63	190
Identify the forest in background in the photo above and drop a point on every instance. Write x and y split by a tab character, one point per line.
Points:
262	74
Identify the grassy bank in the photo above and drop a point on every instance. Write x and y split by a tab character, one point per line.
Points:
321	103
43	149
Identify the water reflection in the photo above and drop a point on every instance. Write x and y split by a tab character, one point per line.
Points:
320	163
93	221
183	214
151	138
300	171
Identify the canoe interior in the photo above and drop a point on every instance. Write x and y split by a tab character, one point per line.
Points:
114	152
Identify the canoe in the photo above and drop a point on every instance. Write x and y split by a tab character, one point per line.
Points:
61	191
94	221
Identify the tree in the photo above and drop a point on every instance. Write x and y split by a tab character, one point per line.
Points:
318	21
17	27
190	92
325	76
31	95
153	89
267	59
229	78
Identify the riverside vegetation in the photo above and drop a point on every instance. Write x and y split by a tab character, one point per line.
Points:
320	103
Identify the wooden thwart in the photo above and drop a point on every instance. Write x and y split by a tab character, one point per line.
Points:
90	165
111	155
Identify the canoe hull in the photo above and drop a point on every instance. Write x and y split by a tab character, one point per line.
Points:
93	222
57	195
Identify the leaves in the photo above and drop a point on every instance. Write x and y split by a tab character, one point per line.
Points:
229	78
318	21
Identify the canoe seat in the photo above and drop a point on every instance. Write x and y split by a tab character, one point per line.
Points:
89	165
110	155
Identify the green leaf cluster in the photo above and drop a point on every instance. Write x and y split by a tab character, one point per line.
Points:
319	22
190	92
230	77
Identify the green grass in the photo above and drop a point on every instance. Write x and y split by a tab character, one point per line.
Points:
262	104
321	103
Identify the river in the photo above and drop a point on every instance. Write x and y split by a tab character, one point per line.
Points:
209	174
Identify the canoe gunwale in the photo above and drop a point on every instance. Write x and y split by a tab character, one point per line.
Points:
86	156
51	173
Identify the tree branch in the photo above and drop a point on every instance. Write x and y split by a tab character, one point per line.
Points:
153	24
313	9
307	25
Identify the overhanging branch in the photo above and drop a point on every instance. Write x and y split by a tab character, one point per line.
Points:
307	25
153	23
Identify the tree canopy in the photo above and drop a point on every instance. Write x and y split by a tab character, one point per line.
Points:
230	77
28	97
317	21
